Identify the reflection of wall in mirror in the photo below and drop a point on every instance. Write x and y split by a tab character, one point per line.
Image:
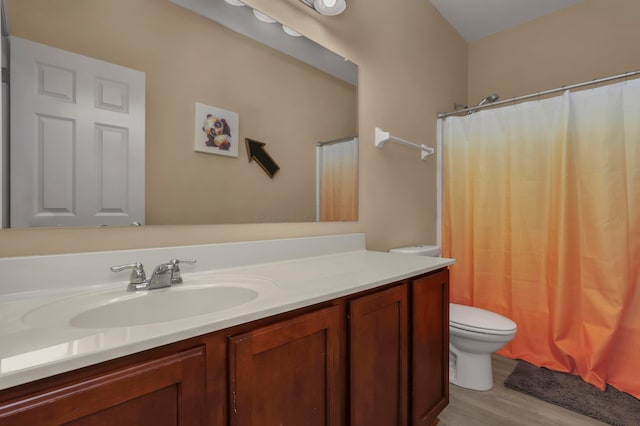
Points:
188	59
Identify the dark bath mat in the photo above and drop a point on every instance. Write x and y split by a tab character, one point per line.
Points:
566	390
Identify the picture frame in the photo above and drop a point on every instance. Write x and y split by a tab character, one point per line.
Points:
216	130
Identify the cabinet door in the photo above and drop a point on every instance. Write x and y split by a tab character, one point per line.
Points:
378	358
165	391
430	354
287	373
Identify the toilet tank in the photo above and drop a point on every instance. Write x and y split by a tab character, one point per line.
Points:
420	250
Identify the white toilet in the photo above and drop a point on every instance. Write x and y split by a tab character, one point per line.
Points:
474	334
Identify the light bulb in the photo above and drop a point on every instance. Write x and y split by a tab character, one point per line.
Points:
329	7
291	32
262	17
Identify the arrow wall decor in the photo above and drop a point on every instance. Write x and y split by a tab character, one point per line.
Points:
255	151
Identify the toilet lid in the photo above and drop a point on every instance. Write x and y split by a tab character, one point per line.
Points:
479	320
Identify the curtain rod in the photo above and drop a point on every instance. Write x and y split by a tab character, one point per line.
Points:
334	141
538	94
4	18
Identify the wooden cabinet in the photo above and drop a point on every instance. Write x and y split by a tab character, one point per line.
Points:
287	373
166	391
378	358
399	353
430	347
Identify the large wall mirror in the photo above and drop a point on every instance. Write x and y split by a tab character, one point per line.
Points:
185	59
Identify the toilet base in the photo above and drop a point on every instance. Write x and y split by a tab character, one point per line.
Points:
470	371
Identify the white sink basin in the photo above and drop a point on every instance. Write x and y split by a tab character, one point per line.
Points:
118	308
160	306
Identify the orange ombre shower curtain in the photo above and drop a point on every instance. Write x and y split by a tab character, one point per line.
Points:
542	212
338	180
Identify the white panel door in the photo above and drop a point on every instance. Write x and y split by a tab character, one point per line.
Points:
77	139
4	135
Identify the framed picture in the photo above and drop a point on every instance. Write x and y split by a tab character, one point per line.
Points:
216	130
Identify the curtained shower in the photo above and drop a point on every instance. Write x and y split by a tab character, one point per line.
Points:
337	180
541	209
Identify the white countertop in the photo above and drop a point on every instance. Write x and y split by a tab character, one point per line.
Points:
30	352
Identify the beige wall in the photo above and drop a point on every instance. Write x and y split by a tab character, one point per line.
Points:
594	39
412	64
186	59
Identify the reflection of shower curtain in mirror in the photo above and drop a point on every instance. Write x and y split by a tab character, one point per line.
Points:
542	213
338	181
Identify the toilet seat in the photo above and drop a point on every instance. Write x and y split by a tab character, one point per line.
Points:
480	320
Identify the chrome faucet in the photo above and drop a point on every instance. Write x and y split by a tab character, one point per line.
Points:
161	276
164	275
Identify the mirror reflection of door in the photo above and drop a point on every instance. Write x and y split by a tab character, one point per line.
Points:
77	139
337	192
4	120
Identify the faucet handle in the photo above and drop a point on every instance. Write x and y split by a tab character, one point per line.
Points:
175	274
138	278
176	261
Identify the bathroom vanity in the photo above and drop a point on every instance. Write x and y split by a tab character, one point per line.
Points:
336	335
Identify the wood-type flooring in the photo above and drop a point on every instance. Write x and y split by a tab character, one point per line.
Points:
501	406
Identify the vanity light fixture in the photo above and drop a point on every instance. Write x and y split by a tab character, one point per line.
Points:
291	32
268	19
264	18
329	7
